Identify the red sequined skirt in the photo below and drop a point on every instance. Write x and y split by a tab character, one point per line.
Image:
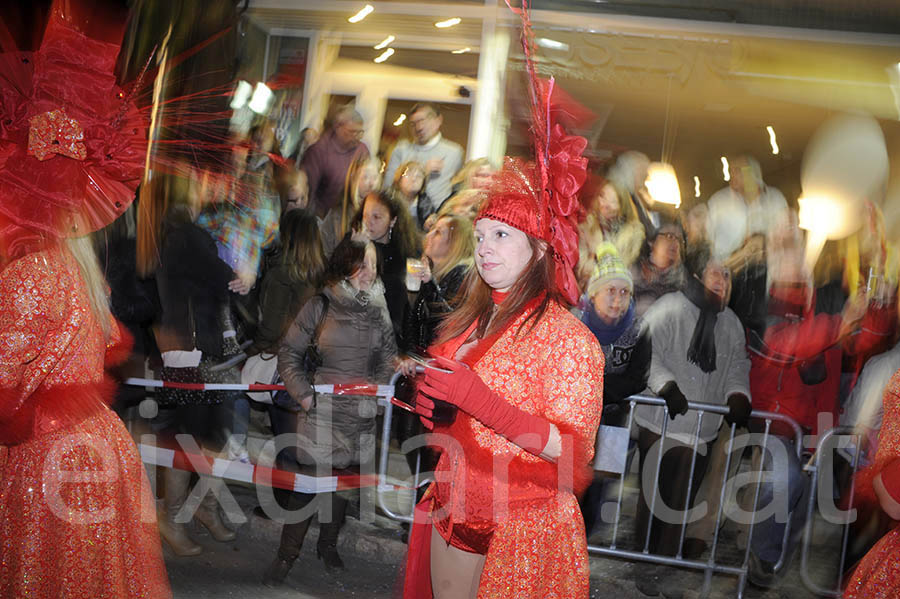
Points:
77	518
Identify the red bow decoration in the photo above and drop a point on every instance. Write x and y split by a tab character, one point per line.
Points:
567	170
54	133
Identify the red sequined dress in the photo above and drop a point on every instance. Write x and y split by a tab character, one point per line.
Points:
493	497
76	515
878	574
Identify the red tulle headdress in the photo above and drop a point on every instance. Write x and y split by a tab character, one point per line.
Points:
72	143
541	198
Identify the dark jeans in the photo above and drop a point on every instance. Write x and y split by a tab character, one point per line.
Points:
673	481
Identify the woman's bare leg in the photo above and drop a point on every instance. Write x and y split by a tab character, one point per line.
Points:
454	573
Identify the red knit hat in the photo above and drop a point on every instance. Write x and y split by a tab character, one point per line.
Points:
515	199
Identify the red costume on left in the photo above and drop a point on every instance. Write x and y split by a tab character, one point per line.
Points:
76	515
77	518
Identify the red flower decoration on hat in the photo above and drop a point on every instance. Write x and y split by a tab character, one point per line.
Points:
54	133
63	99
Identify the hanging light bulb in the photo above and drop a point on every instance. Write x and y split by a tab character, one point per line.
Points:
448	23
400	119
725	171
663	184
696	186
385	55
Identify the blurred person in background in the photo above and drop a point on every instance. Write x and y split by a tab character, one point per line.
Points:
628	175
387	224
470	190
738	220
796	371
441	157
448	252
659	270
293	190
475	174
606	219
698	354
363	178
349	324
327	161
193	285
695	226
294	274
607	309
448	255
308	136
409	188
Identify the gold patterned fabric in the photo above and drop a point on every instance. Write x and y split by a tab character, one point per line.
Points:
76	515
878	574
523	507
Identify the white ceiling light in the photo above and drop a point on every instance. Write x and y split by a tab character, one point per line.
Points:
385	42
241	95
772	139
551	44
362	14
448	23
400	119
461	50
385	55
262	98
725	173
696	186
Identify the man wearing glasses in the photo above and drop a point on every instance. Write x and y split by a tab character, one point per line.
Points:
326	162
441	157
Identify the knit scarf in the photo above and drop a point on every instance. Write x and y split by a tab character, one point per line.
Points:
605	333
702	350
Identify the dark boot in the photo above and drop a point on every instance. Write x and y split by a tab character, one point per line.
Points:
171	528
326	548
292	536
208	515
277	572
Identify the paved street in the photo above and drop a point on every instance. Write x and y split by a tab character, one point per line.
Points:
374	553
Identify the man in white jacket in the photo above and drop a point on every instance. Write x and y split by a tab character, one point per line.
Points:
441	157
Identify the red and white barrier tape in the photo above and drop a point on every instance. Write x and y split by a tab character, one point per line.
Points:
259	475
385	391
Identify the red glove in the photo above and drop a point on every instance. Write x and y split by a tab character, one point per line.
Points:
425	408
465	389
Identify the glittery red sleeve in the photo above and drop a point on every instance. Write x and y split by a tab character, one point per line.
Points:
31	310
574	388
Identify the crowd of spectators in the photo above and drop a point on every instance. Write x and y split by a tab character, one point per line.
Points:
348	265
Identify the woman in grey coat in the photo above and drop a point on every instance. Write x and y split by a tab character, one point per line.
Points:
356	344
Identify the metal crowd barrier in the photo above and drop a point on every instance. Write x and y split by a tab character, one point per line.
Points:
710	565
823	449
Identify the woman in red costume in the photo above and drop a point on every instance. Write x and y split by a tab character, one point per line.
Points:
502	518
878	574
76	515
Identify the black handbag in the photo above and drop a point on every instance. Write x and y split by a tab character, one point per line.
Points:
312	360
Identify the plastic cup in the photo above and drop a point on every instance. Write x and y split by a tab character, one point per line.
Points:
414	270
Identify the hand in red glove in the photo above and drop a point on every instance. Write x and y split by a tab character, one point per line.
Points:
465	389
425	409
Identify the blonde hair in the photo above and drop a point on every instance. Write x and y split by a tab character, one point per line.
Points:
462	244
95	284
467	172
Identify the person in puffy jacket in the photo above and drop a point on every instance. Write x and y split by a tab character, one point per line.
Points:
348	323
